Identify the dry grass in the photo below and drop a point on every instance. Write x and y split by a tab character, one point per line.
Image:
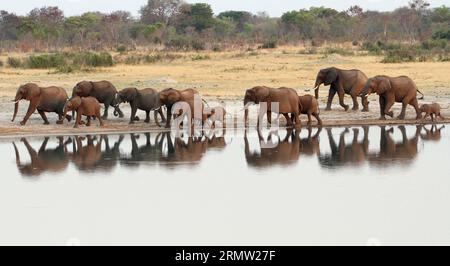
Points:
228	74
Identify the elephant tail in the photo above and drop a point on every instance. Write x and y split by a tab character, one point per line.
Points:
423	96
207	104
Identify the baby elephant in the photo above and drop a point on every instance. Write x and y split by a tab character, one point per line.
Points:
310	106
433	110
87	106
215	114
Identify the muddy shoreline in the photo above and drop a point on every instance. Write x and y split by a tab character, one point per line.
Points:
335	118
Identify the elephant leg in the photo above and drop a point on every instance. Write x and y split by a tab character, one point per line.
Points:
161	113
403	113
100	119
133	114
316	115
426	116
389	103
119	111
382	108
331	95
355	102
365	103
31	109
147	117
88	124
269	118
169	116
341	95
309	119
105	113
78	120
289	121
44	117
415	104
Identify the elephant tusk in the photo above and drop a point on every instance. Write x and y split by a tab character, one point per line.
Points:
248	105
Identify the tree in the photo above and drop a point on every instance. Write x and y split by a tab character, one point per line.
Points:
198	16
240	18
160	11
9	26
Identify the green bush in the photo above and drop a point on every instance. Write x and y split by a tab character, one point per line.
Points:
400	56
442	34
372	48
1	63
122	49
434	44
200	57
90	59
15	62
46	61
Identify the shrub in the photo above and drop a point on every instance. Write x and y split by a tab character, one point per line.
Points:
434	44
15	62
399	56
93	59
1	63
339	51
270	44
46	61
178	43
372	48
442	34
197	45
121	49
200	57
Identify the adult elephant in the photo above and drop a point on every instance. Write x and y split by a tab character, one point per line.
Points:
287	99
103	91
49	99
393	89
169	97
146	100
343	82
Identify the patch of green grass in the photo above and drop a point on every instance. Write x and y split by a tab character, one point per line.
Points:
199	57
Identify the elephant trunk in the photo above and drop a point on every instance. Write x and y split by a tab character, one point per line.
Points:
317	87
16	106
365	91
247	105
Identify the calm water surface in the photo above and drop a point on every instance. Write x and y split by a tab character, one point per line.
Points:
377	185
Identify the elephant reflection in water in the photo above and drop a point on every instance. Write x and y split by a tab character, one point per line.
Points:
357	152
45	160
168	151
433	134
354	153
282	151
391	152
86	157
91	157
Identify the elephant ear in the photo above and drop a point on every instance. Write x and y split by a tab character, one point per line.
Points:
174	96
384	85
331	76
262	93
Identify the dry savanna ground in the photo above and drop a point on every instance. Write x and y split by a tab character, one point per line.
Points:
224	76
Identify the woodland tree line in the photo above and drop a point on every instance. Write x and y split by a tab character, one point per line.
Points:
174	24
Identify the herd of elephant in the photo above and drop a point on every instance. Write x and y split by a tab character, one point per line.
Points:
87	97
88	155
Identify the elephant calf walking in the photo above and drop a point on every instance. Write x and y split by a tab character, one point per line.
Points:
103	91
